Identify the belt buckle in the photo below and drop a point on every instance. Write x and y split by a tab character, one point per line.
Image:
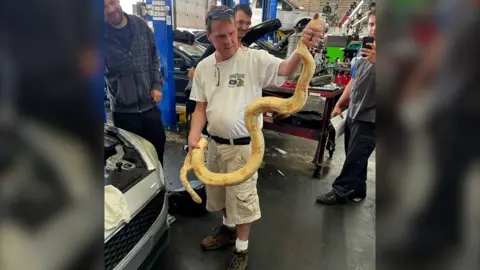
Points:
231	141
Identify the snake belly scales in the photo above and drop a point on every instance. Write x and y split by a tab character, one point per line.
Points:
196	158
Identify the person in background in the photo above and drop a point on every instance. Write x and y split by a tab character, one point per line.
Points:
224	83
133	75
243	21
351	184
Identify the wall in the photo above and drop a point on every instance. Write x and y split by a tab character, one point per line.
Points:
127	5
190	14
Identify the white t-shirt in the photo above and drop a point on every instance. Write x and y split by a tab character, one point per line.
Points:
229	86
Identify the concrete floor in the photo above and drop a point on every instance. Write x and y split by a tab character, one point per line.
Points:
294	232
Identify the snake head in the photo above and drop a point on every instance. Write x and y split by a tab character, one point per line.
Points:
317	21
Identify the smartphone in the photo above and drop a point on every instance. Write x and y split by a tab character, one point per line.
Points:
365	41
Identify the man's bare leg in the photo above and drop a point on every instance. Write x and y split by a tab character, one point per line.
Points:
240	254
243	231
226	221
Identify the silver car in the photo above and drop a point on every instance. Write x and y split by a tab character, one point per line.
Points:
132	166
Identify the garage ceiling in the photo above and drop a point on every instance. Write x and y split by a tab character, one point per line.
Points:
317	5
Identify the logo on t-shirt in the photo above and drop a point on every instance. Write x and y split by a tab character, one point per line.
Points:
236	80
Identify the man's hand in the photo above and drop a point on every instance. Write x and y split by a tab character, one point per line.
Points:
337	111
370	55
313	33
193	141
156	95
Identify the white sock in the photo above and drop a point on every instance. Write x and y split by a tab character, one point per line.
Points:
227	223
241	245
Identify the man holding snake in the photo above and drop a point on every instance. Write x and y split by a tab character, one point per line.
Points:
224	84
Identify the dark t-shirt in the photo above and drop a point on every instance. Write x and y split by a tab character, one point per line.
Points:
123	35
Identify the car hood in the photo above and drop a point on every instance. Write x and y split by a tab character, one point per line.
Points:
261	30
138	185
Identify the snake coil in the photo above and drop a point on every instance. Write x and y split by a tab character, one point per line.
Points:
196	158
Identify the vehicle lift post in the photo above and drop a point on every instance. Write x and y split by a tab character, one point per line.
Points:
163	32
228	3
269	12
98	82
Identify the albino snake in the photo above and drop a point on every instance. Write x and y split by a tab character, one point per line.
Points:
196	158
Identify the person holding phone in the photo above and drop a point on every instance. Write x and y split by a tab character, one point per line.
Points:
360	137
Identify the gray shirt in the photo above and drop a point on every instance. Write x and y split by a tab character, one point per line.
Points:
362	96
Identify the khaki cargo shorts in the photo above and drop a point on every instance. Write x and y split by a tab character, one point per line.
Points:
240	201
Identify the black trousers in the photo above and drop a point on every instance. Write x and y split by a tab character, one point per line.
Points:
359	144
148	125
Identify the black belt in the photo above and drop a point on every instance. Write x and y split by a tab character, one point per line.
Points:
238	141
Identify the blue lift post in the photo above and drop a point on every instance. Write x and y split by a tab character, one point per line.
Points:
228	3
269	12
272	14
163	32
265	5
98	81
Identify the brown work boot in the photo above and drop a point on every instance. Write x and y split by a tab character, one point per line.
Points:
239	260
221	237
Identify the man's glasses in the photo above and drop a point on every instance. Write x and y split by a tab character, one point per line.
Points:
217	14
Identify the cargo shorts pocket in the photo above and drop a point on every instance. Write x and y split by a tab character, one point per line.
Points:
246	204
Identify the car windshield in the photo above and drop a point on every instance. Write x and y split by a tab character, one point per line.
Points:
192	49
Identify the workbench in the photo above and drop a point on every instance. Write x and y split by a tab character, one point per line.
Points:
320	133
